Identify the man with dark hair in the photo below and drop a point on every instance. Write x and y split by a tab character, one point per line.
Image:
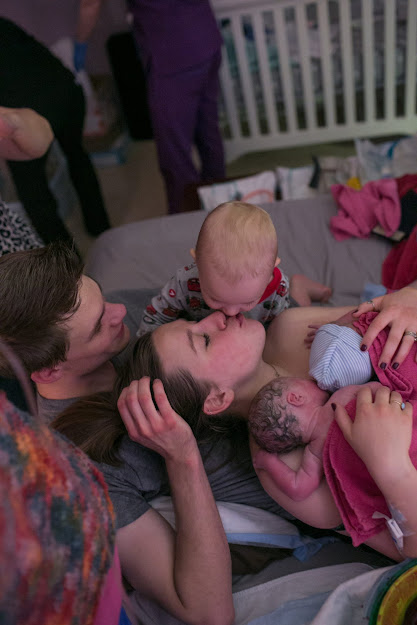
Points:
70	333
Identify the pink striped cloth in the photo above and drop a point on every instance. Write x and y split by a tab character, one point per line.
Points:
354	491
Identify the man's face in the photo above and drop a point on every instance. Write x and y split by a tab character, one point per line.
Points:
96	330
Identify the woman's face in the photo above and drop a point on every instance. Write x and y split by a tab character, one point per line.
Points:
223	350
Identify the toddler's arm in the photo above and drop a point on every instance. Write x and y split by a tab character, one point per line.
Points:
276	302
299	484
165	307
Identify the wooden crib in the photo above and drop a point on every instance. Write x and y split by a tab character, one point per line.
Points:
298	72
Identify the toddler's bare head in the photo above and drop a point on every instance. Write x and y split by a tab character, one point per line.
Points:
236	253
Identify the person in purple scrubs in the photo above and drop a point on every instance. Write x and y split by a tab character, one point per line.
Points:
180	46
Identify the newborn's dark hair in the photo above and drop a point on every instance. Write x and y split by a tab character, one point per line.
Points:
272	424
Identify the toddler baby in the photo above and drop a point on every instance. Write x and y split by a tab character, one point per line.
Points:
235	270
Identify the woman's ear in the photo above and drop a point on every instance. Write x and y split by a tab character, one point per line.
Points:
218	400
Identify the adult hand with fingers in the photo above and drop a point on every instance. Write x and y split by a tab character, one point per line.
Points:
398	311
381	432
157	427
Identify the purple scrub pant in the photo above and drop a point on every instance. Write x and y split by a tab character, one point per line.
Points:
184	112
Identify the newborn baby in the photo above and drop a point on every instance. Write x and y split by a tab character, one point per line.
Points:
289	413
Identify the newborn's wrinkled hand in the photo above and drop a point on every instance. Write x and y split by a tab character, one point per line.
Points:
311	335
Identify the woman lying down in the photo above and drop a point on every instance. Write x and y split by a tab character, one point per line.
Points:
213	369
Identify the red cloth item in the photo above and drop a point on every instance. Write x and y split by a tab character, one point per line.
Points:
406	183
110	602
360	211
400	266
354	491
273	285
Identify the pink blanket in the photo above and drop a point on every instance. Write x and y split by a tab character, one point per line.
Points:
360	211
354	491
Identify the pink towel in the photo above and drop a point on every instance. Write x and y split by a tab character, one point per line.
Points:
360	211
354	491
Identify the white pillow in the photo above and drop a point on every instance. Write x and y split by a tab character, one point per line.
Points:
258	189
294	182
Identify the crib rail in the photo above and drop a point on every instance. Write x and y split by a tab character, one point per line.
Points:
298	72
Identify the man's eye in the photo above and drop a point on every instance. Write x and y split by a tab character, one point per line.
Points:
207	339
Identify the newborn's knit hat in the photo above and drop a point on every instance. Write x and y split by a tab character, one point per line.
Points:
336	359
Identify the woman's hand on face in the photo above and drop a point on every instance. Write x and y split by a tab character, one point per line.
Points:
381	432
398	311
158	428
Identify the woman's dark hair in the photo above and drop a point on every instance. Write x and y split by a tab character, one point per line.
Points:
94	424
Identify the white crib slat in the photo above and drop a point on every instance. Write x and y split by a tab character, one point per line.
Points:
284	61
244	73
347	59
305	61
389	58
229	98
370	126
265	71
410	84
368	55
326	63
